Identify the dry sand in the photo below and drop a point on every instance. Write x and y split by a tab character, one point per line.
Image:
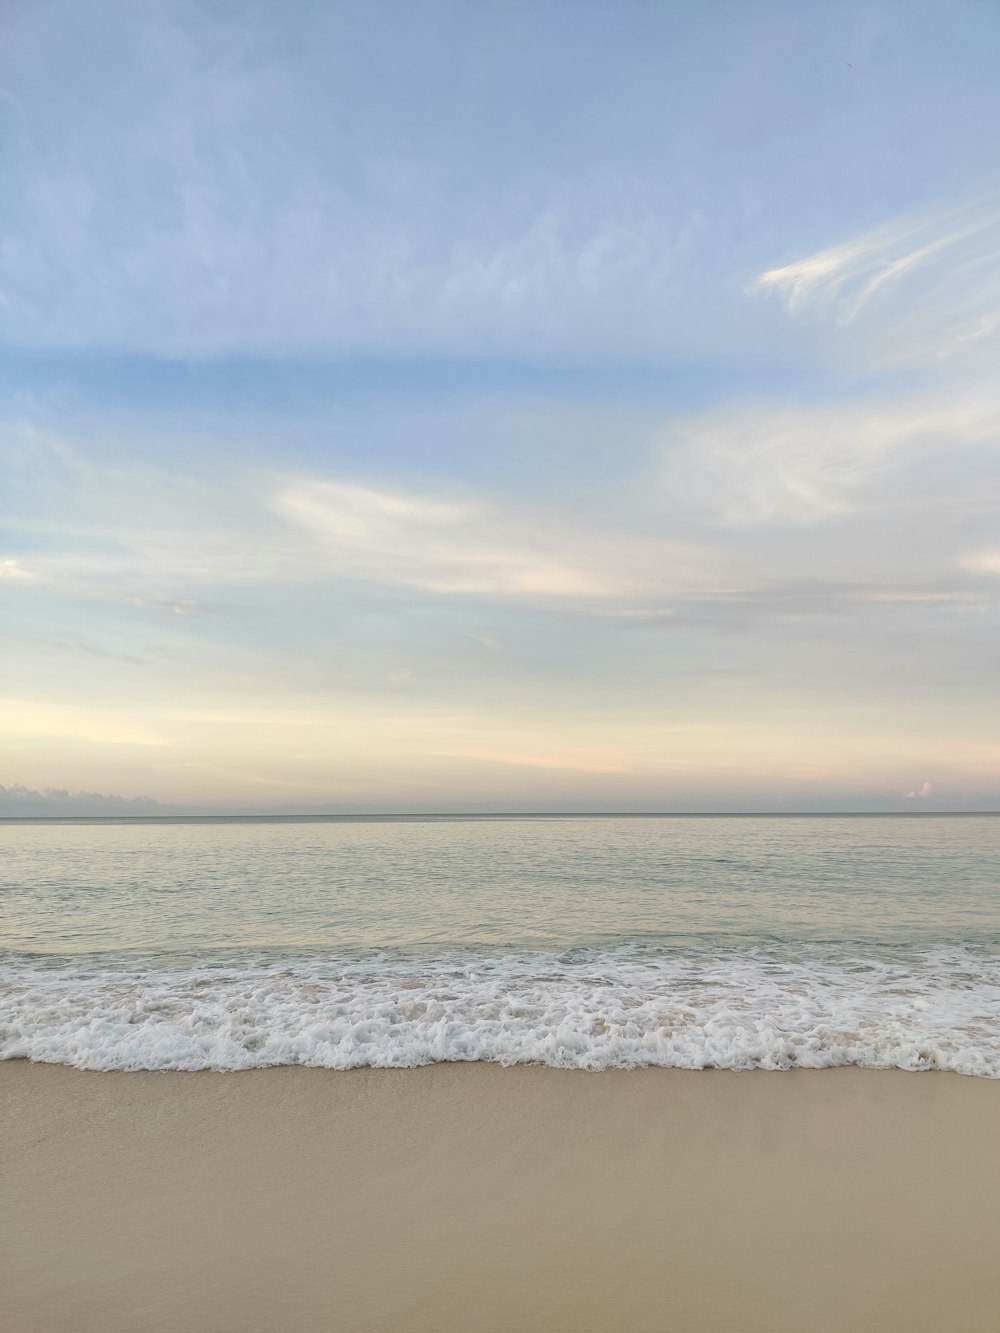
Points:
469	1197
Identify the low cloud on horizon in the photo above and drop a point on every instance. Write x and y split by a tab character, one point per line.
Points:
22	802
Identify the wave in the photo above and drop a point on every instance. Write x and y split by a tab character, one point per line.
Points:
754	1008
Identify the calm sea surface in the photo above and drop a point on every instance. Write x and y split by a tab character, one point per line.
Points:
590	941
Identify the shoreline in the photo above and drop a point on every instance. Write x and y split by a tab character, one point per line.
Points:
458	1196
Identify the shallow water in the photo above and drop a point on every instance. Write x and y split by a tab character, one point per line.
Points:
590	941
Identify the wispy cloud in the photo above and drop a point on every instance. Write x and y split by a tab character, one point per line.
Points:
468	548
573	760
67	646
485	638
790	599
105	725
354	243
848	275
14	571
923	287
777	464
80	578
982	562
156	541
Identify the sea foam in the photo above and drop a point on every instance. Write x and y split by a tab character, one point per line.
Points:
753	1008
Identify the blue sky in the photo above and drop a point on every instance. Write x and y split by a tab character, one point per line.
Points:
432	406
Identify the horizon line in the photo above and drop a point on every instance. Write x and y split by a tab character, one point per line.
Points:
122	818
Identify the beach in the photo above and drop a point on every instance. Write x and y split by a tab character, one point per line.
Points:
471	1196
531	1076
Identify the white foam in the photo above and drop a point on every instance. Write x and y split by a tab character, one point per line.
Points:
762	1008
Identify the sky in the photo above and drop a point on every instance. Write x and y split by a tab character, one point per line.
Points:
531	406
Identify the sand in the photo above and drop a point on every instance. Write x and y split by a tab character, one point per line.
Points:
470	1197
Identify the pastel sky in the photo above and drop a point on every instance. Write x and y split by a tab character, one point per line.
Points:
459	406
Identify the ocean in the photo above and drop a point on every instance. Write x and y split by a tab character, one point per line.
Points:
590	942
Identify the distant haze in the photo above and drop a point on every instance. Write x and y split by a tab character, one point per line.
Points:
517	407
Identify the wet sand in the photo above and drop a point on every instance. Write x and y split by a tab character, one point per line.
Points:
470	1197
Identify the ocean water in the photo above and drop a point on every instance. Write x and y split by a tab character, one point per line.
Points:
581	942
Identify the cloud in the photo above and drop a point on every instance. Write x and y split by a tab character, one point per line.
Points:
105	725
811	599
921	793
61	646
848	275
22	802
573	760
80	578
774	464
468	181
485	638
923	287
469	548
982	562
142	537
211	199
13	571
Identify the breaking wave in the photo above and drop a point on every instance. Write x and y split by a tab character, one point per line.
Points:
761	1007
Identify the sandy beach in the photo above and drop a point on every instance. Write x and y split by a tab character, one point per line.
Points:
476	1197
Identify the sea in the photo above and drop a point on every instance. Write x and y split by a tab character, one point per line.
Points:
582	942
